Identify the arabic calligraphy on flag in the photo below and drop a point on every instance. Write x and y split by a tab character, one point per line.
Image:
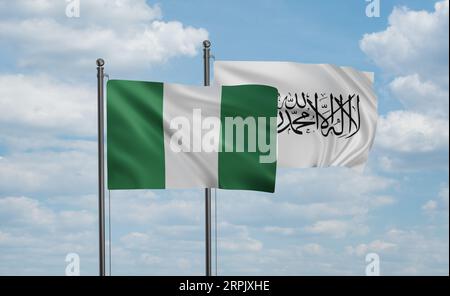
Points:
327	114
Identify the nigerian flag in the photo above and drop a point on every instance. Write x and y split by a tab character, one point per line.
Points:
176	136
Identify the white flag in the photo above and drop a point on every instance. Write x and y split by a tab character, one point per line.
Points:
327	115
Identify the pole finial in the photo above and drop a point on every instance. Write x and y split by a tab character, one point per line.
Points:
100	62
206	44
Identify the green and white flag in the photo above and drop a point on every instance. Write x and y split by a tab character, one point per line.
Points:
175	136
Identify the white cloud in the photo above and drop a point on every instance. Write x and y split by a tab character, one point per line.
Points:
332	183
414	51
237	238
43	122
77	219
135	239
239	246
336	228
35	238
418	252
142	207
31	213
279	230
385	162
115	12
377	246
41	103
420	96
150	259
439	204
10	240
313	249
414	42
406	131
429	206
333	202
53	172
383	200
153	252
129	35
25	211
48	130
444	196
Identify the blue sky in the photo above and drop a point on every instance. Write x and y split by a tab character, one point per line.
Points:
319	221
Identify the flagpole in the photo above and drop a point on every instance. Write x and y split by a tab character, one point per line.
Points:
101	166
206	78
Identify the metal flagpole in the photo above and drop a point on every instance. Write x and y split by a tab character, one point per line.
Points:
101	168
206	77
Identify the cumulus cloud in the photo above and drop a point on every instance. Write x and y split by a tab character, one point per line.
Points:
24	211
35	238
250	225
150	230
42	103
414	42
31	213
154	252
142	207
305	197
48	120
405	131
330	203
130	34
422	252
414	51
280	230
438	205
237	238
336	228
117	10
313	249
420	96
444	196
377	246
418	251
382	200
430	206
49	172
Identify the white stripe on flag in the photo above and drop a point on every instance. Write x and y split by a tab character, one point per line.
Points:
190	169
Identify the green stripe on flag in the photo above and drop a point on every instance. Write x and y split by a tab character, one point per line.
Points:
243	170
135	137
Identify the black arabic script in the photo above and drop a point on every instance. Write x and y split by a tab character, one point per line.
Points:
324	113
